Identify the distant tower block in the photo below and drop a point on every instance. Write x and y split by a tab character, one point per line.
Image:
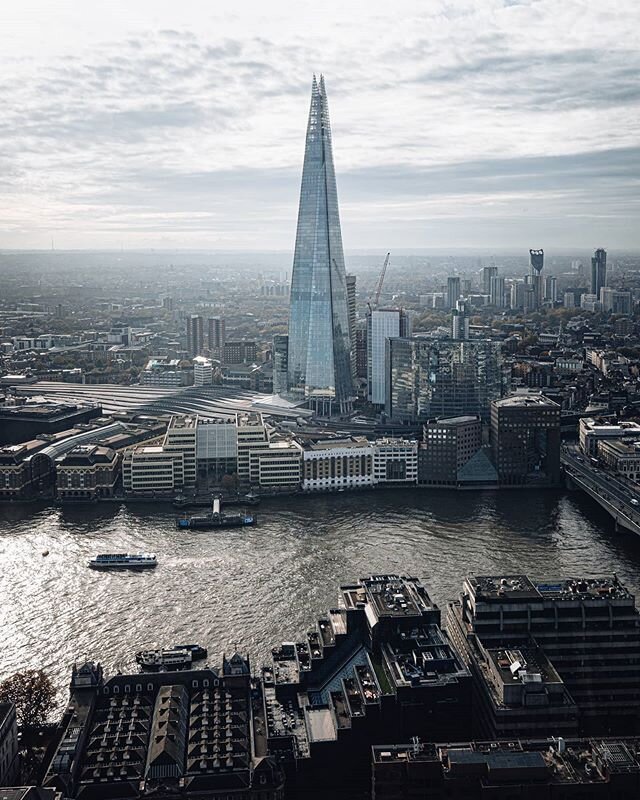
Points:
537	260
536	264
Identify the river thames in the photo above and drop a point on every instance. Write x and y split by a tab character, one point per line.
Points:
251	588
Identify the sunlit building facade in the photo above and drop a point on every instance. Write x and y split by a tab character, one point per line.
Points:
319	353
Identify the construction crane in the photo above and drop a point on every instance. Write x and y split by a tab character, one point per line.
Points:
373	303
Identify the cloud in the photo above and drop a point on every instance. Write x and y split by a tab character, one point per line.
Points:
447	110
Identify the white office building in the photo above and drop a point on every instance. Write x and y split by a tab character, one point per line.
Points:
395	461
382	324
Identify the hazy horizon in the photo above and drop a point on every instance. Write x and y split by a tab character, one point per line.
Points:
494	125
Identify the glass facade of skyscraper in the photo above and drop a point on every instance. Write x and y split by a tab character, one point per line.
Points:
442	378
319	358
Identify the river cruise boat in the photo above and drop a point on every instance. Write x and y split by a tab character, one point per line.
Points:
123	561
177	657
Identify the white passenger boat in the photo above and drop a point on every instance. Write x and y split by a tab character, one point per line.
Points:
123	561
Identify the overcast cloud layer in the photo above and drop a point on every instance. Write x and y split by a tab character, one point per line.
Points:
495	123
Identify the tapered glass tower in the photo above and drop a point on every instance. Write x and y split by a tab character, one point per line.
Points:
319	357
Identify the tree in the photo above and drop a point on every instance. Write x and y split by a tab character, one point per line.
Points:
33	695
230	483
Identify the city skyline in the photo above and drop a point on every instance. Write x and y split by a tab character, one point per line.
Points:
489	125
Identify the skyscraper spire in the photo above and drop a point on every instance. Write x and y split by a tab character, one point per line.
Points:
319	366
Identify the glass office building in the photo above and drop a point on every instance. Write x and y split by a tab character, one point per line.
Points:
442	378
319	353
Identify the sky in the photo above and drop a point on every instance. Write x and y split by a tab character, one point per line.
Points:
458	123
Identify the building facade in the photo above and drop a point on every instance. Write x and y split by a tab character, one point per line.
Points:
587	629
9	745
216	449
442	378
240	352
395	461
150	470
525	440
535	280
202	371
448	444
181	438
621	456
382	324
338	464
88	472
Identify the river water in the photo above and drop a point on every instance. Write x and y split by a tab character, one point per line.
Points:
251	588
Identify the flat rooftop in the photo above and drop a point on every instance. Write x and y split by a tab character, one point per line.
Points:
183	422
499	587
330	444
390	753
463	420
388	595
527	401
585	588
623	447
512	662
600	426
493	587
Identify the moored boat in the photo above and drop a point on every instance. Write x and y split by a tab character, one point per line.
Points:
180	656
208	521
175	658
217	519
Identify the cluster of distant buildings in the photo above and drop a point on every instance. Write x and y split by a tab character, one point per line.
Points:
521	689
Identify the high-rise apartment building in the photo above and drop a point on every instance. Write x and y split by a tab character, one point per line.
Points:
616	301
460	320
351	303
215	335
551	289
518	289
382	324
453	291
195	335
496	292
487	274
598	271
319	362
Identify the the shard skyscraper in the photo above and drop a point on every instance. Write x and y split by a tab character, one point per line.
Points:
319	352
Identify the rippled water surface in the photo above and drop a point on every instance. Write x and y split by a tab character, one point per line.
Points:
254	587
